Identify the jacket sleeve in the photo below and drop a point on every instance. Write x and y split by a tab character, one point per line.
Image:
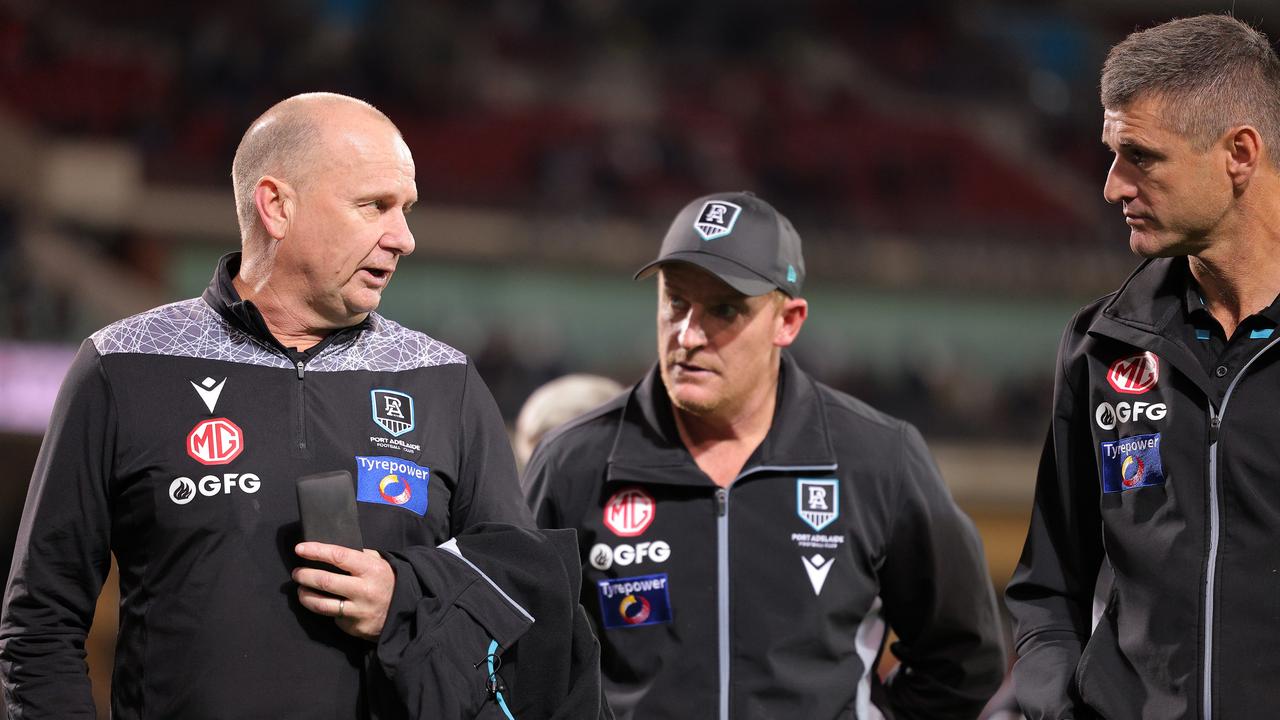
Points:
1051	593
487	487
938	599
62	554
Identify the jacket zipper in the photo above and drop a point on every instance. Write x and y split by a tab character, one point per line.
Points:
301	416
1215	428
1215	422
722	590
722	567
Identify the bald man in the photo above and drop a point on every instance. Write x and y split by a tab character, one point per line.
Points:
178	435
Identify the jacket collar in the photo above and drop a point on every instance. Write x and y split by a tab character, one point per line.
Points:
648	448
1142	311
1152	296
221	295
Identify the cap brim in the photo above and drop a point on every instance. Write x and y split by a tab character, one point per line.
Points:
734	275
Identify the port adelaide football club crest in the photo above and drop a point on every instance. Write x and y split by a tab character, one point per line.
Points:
818	505
817	502
716	219
393	413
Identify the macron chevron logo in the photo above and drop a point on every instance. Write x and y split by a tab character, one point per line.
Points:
818	568
209	390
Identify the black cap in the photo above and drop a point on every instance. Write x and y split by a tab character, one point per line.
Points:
740	239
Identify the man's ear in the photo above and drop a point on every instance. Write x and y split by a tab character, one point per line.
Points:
1244	154
792	314
274	200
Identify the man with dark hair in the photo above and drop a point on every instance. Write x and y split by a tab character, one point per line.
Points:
1148	586
751	534
176	441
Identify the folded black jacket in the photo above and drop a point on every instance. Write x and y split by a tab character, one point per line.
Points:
488	625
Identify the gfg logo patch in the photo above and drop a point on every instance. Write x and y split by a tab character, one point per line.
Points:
1107	415
183	489
603	557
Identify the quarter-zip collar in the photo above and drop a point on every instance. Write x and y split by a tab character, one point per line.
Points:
221	295
648	448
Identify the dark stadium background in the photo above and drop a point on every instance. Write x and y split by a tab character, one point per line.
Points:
940	158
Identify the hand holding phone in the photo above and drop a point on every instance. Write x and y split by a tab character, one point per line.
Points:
327	504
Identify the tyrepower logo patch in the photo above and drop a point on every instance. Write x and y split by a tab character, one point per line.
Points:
1134	375
392	481
634	601
1131	463
216	441
629	512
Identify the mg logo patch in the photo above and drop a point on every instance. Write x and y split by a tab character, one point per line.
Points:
215	442
1134	375
629	512
817	501
716	219
392	411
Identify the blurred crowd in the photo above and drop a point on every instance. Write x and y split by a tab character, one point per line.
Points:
606	107
874	118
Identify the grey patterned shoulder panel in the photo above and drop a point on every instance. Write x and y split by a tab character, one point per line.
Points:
190	328
388	347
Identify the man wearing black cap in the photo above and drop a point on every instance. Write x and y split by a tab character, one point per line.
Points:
750	534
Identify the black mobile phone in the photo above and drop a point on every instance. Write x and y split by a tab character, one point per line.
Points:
327	504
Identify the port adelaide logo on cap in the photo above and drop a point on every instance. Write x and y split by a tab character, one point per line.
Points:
716	219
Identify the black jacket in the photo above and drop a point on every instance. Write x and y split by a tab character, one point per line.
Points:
174	445
461	640
1167	480
772	598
